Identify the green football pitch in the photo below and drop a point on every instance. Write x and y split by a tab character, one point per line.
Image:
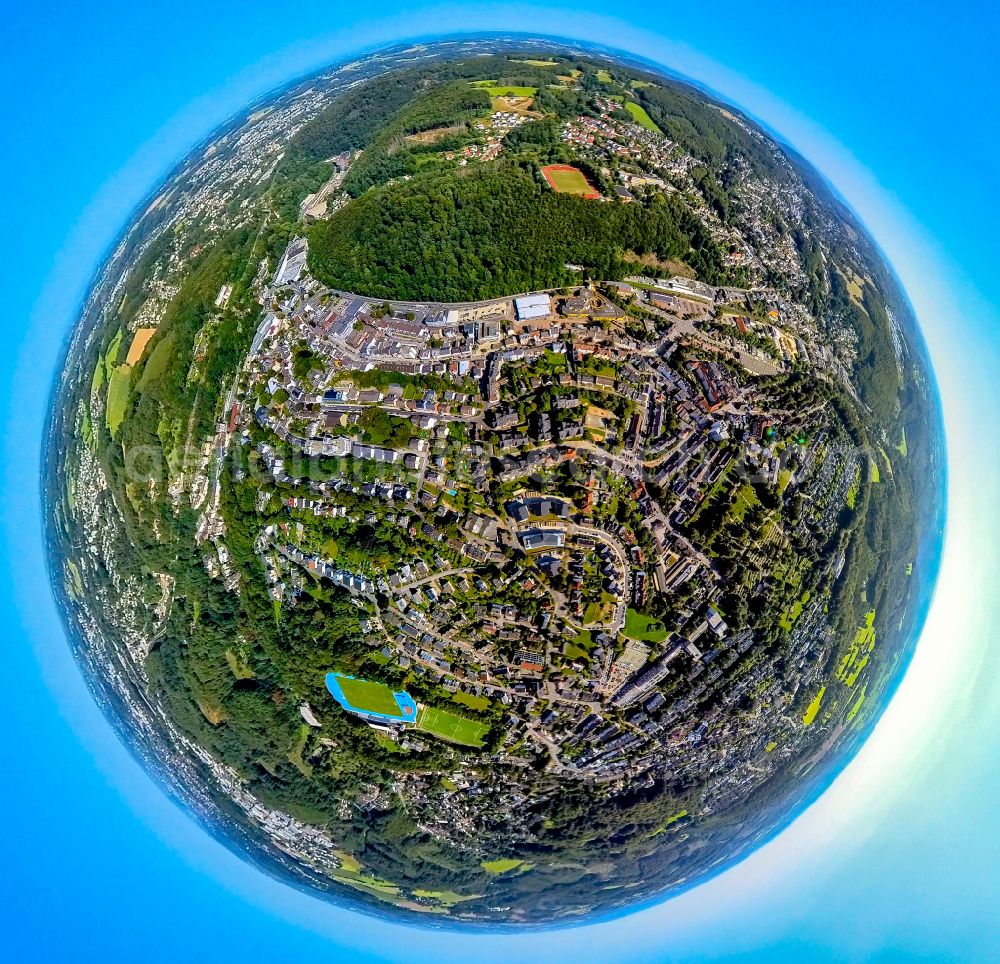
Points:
451	727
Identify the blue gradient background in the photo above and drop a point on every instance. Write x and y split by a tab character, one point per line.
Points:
898	861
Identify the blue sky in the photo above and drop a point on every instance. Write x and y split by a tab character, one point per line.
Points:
899	861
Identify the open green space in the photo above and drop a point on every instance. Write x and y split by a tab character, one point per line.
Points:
551	363
669	822
348	863
644	628
503	865
851	497
87	426
388	744
376	886
599	609
580	645
100	374
450	726
295	751
744	499
158	361
640	116
111	355
497	90
479	703
887	460
119	391
238	666
446	897
858	654
789	616
813	708
856	707
74	582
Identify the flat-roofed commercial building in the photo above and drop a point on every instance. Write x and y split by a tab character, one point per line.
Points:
533	306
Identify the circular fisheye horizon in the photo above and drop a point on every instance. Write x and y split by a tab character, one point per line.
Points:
494	483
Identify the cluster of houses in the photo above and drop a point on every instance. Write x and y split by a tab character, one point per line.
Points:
474	611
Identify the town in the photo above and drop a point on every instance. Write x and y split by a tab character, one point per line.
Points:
414	560
544	455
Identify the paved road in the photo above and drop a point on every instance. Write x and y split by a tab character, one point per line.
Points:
444	574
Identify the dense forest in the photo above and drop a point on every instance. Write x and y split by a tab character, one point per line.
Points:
490	231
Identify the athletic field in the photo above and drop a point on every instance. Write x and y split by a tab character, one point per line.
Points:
449	726
566	179
368	697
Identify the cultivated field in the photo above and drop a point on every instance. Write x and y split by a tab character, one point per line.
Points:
138	346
